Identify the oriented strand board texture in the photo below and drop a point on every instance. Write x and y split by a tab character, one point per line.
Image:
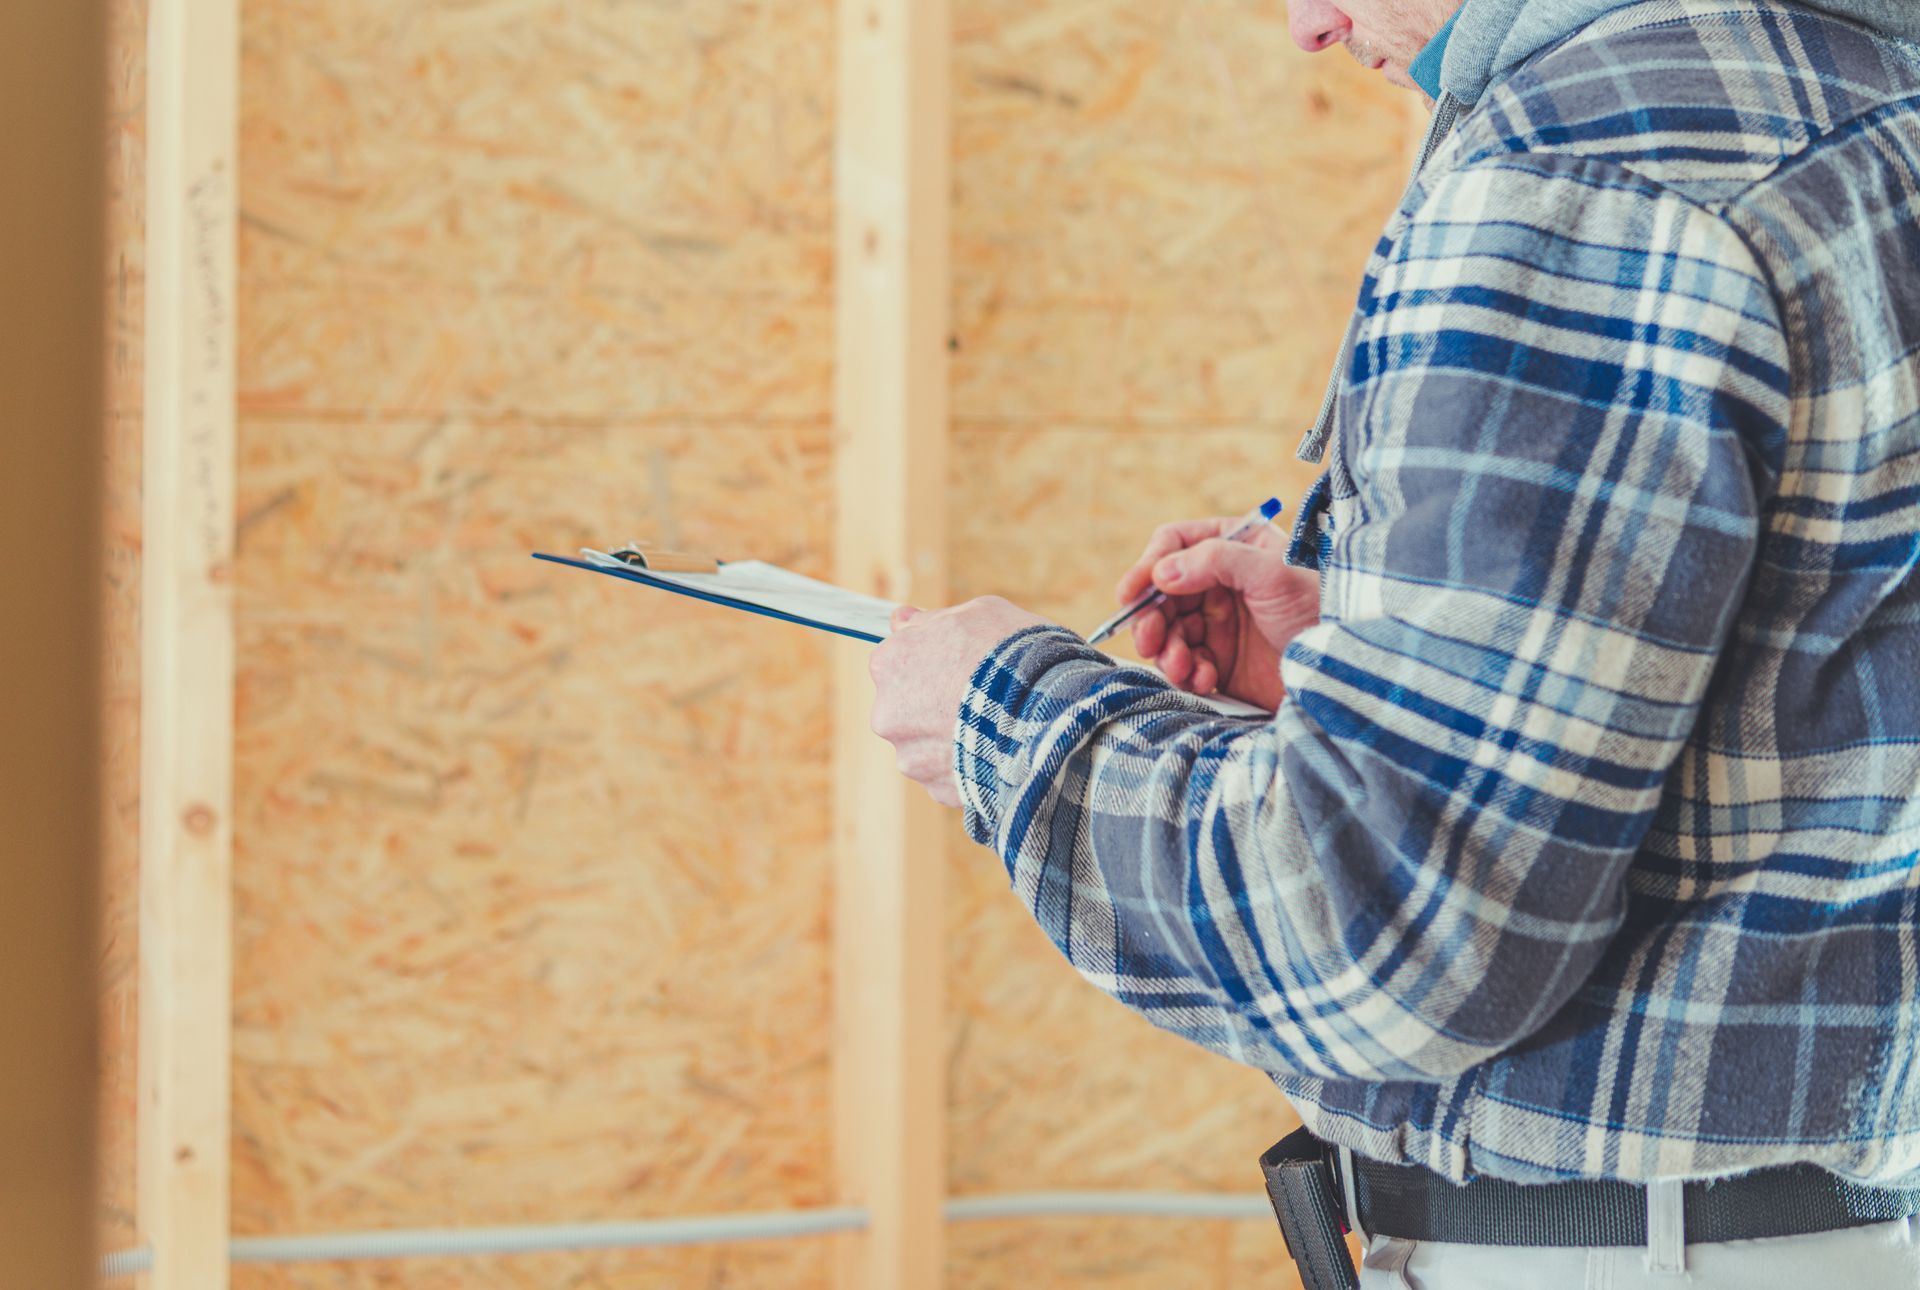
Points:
588	209
1162	211
740	1266
120	726
531	865
1116	1254
1162	208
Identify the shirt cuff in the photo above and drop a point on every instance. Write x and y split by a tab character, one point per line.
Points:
1001	709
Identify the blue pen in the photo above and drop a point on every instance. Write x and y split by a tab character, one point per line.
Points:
1264	515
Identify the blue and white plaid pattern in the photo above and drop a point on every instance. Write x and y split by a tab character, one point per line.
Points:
1585	840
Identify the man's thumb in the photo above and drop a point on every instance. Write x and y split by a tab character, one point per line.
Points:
1209	564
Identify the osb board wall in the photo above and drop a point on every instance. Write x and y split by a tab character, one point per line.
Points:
742	1266
1162	209
513	269
531	865
120	619
1116	1254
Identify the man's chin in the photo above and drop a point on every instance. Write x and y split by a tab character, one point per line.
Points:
1373	60
1397	75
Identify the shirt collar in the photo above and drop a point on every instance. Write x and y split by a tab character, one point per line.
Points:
1425	67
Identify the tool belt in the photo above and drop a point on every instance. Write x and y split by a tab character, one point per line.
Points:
1308	1194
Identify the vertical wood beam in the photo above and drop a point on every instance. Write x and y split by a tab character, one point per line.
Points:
186	642
52	258
891	314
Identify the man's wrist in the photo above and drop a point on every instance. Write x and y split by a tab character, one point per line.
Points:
997	712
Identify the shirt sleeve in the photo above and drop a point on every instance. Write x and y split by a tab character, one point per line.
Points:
1566	392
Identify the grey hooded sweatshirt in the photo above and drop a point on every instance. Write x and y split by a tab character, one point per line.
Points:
1492	37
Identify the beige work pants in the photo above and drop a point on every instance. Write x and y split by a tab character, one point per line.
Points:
1883	1256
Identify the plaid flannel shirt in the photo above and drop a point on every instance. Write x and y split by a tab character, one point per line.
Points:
1584	843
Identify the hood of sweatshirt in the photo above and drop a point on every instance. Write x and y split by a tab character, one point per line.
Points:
1492	37
1489	39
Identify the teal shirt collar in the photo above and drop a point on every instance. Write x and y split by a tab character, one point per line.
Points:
1425	67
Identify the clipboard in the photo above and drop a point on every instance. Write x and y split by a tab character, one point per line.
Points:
773	592
750	585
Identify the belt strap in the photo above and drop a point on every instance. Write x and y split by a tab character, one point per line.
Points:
1418	1204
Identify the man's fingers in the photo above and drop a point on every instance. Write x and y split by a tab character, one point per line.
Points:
1153	628
1206	672
1166	539
1149	632
1194	628
1217	606
902	615
1176	660
1216	563
1181	534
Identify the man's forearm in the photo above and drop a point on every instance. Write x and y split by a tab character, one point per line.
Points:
1161	847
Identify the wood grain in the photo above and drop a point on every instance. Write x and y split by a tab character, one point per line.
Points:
890	458
119	526
186	642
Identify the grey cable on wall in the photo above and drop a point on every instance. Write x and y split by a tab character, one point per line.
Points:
1108	1204
548	1238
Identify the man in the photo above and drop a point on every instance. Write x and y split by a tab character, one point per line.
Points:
1581	844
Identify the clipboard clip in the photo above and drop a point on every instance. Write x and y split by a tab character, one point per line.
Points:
653	559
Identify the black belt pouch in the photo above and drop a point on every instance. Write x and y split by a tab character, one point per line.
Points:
1307	1201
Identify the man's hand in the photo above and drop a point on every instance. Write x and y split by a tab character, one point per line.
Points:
920	676
1230	611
